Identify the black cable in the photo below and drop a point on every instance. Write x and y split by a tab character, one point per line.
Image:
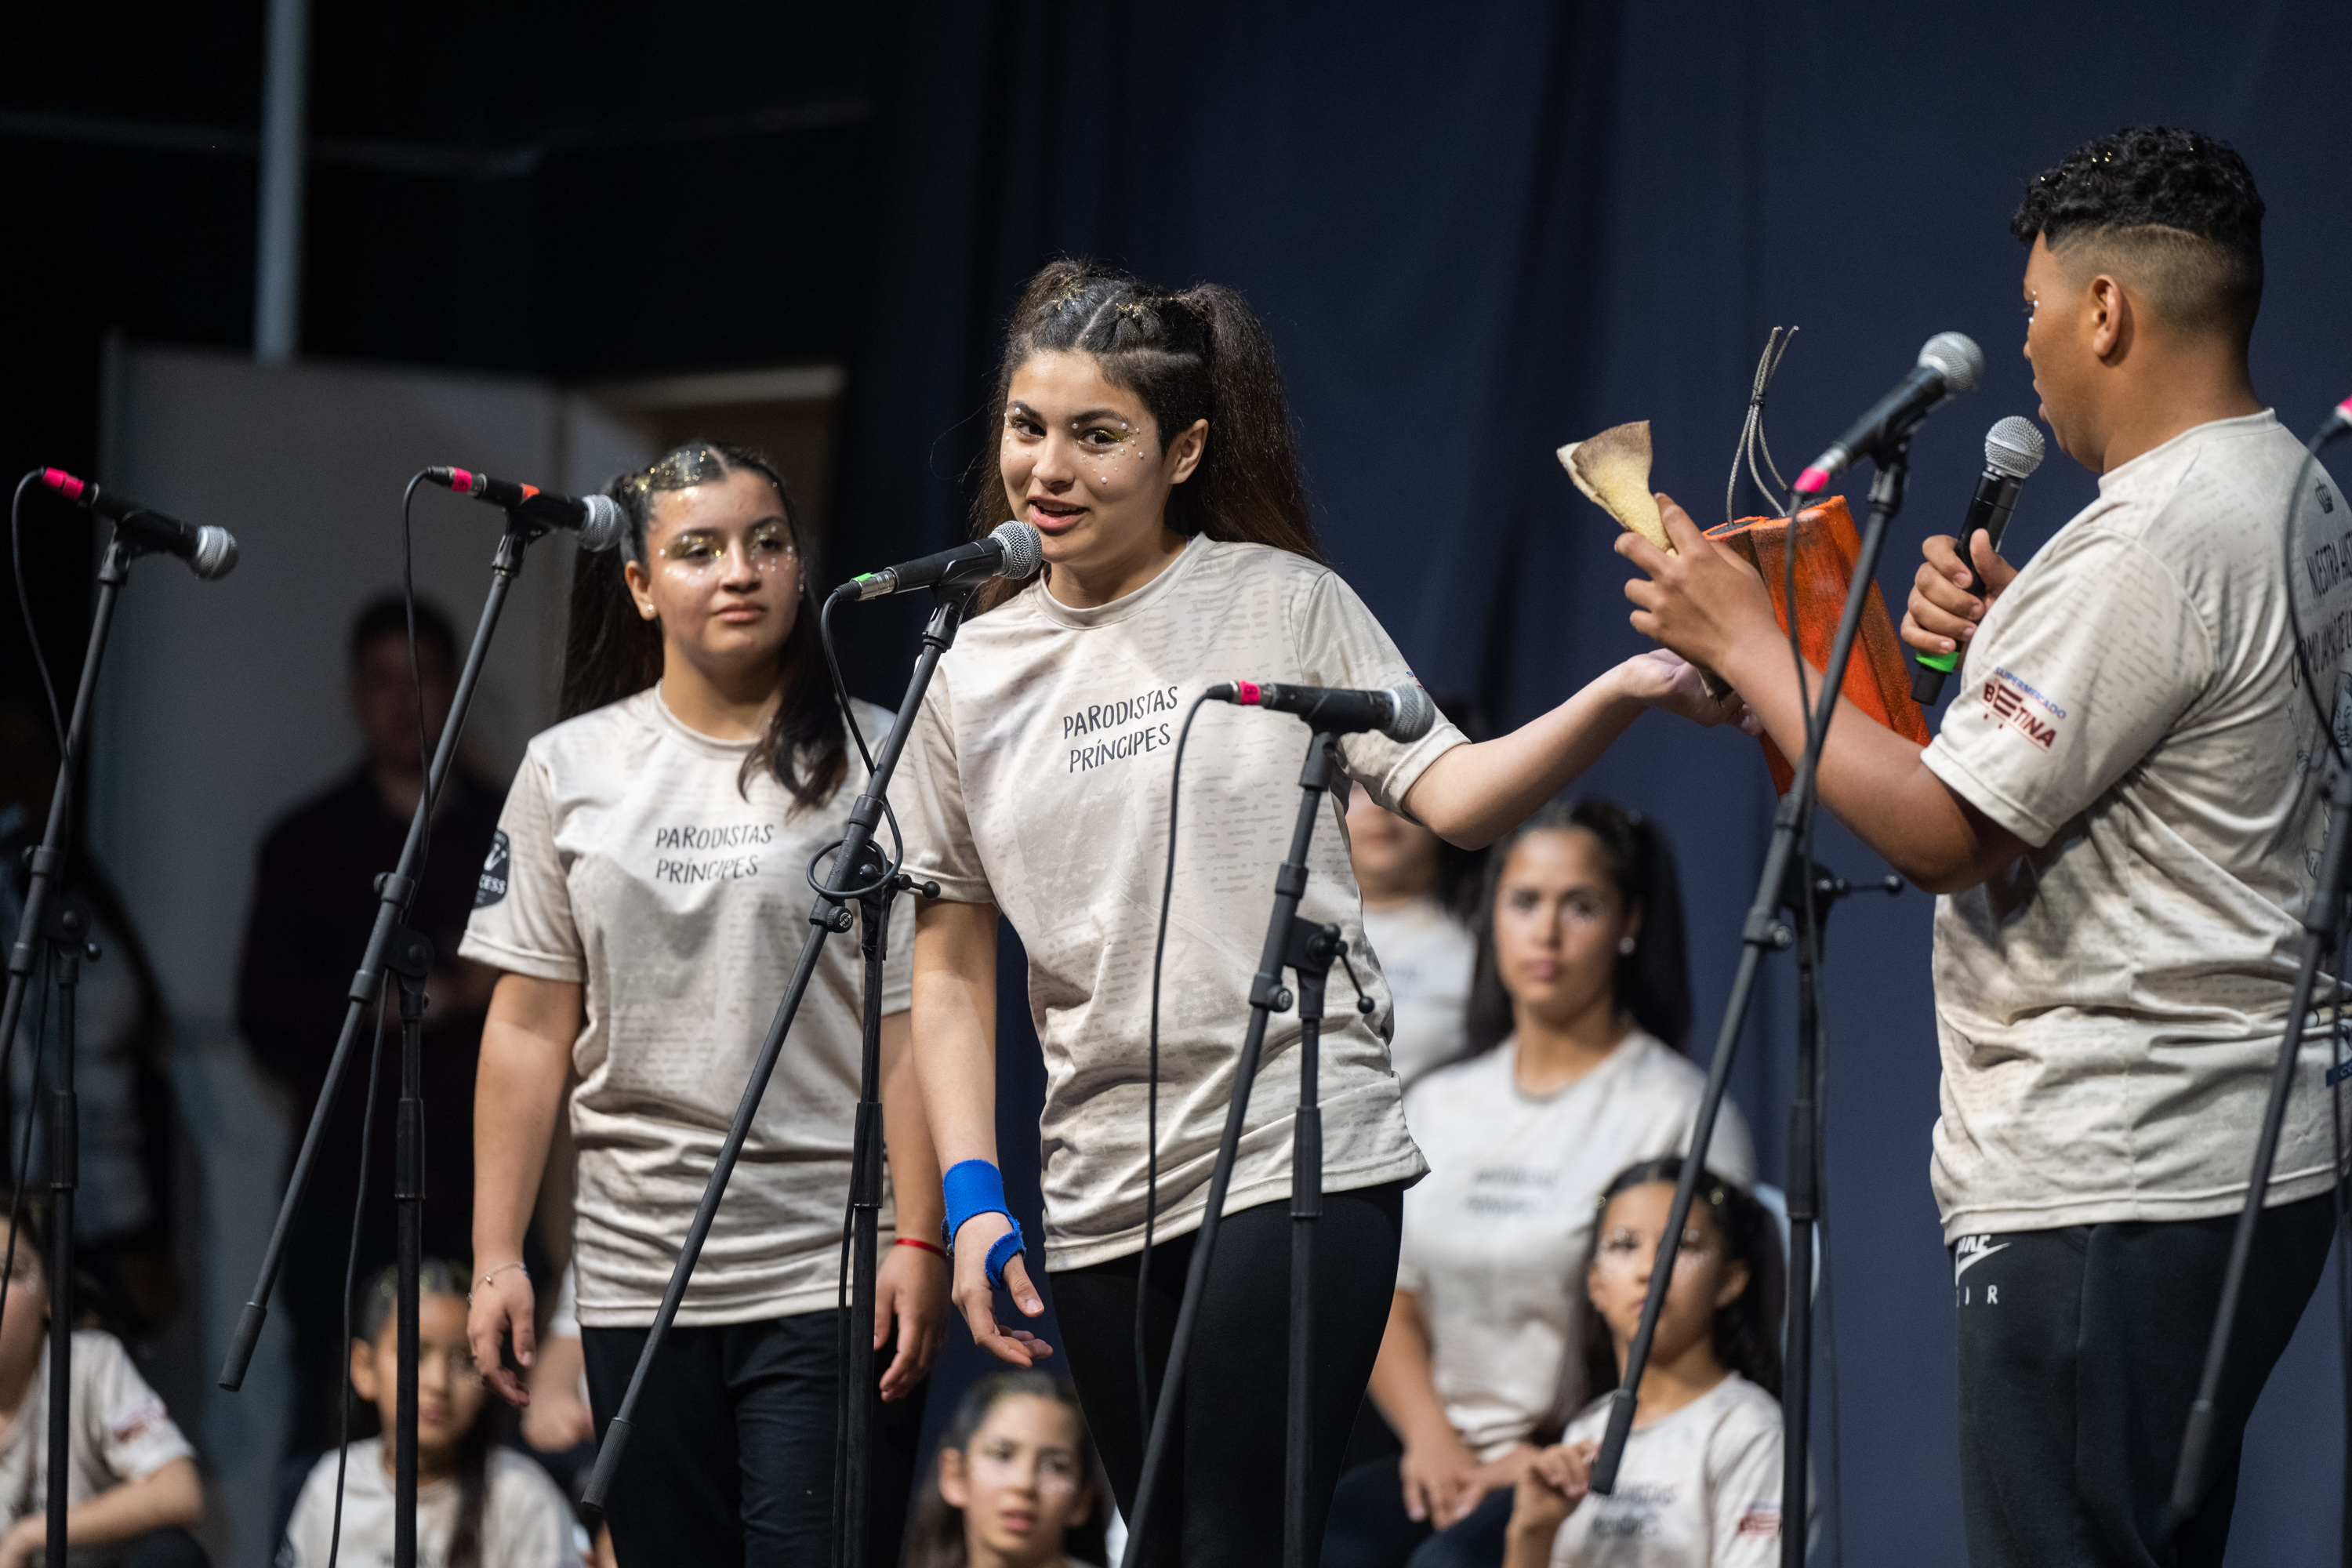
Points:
25	606
1151	1099
351	1266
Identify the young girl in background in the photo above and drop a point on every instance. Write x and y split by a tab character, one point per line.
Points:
1700	1483
478	1505
1580	1005
1016	1483
132	1489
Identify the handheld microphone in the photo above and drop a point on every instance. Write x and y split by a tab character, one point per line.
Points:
597	520
2339	423
2013	451
210	553
1402	712
1015	550
1950	364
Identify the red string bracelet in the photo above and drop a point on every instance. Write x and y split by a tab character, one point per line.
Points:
926	1247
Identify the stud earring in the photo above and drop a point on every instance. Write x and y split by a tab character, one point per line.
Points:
1625	946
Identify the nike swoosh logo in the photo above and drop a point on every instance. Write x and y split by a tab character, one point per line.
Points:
1962	1265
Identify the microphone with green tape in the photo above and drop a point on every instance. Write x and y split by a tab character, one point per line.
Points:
2014	450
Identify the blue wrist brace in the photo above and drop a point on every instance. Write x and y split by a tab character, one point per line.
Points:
976	1188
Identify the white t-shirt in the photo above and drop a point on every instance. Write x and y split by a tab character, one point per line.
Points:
121	1432
1496	1239
1427	956
1698	1488
629	860
1037	780
2110	1006
526	1522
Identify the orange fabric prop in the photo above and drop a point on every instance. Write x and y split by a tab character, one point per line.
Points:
1877	680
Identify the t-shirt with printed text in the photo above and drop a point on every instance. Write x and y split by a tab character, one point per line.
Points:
631	860
1697	1489
1037	780
2110	1005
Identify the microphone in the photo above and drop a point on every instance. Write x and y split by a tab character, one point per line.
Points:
1402	712
2013	451
1949	365
210	553
2339	422
597	520
1015	550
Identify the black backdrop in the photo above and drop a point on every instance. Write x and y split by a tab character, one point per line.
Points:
1476	233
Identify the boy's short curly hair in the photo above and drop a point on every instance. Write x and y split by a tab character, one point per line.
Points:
2172	212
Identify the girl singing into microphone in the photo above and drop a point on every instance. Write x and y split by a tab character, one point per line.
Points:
1146	436
646	902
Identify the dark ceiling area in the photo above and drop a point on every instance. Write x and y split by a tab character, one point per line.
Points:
579	191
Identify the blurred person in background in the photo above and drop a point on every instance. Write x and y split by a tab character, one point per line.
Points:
123	1213
1015	1483
648	904
479	1504
1579	1015
314	903
132	1494
1420	894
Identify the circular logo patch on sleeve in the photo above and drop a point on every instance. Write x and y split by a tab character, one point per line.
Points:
493	885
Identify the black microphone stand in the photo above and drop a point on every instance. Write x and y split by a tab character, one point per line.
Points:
1787	880
859	876
2322	928
1309	948
68	937
65	929
393	946
411	961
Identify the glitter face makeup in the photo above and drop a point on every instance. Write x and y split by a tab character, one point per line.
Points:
696	552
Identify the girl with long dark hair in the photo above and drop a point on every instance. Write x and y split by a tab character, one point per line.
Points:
1145	433
1699	1486
646	902
1580	1005
478	1505
1015	1484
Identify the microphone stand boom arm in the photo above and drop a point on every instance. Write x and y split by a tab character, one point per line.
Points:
1761	932
394	891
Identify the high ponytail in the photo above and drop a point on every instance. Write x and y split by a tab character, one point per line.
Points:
1199	354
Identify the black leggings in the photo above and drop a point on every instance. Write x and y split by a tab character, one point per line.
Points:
731	1459
1221	1502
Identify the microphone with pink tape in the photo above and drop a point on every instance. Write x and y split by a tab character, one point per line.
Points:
1950	364
210	553
2339	423
1401	713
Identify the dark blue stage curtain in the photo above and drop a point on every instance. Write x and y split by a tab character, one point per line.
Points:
1477	232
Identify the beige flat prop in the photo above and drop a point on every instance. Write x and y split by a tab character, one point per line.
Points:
1612	469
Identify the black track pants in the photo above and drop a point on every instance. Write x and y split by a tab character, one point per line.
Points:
1221	1499
2080	1352
730	1461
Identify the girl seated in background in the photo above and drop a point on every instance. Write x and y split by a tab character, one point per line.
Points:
1420	894
1699	1486
1017	1485
478	1505
132	1489
1580	1005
